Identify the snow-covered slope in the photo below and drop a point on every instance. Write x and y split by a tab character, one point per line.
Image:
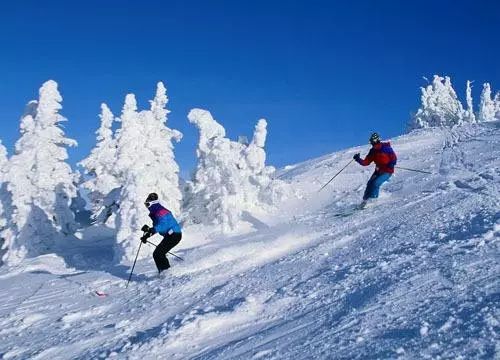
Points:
416	275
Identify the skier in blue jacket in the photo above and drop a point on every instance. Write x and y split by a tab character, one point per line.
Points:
164	224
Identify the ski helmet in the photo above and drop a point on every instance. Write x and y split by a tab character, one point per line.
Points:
151	198
374	138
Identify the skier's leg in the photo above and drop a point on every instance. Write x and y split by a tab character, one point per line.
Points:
369	188
174	239
377	182
160	253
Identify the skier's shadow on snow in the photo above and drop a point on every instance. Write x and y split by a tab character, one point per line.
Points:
95	255
85	257
81	254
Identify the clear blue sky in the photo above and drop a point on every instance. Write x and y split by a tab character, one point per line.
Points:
323	73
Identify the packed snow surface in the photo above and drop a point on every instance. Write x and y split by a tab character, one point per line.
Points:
414	275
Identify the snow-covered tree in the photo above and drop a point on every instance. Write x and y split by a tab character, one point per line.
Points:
39	181
440	105
3	215
486	105
99	166
159	103
160	141
231	177
146	163
469	116
269	190
130	142
3	161
255	154
129	138
213	195
497	106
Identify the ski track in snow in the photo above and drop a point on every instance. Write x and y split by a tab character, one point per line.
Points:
415	275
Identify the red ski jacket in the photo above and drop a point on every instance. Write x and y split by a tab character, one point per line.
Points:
384	157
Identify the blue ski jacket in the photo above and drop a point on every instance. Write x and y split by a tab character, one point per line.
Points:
163	220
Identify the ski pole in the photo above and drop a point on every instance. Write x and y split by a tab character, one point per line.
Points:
130	277
152	243
178	257
420	171
349	163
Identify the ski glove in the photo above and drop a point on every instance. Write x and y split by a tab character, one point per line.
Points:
356	157
148	232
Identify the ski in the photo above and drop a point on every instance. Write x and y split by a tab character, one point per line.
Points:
350	212
345	214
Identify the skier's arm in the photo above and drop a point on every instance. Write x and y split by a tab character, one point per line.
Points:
152	229
367	160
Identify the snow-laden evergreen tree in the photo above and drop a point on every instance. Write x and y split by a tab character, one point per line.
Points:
159	104
146	163
99	166
160	142
3	160
9	226
3	215
129	136
486	105
130	141
213	193
39	181
497	106
255	154
230	177
469	116
440	106
268	189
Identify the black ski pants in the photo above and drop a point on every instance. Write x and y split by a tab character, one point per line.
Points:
160	253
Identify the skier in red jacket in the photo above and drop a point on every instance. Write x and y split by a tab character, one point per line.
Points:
385	159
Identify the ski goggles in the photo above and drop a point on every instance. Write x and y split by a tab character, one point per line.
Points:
149	203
